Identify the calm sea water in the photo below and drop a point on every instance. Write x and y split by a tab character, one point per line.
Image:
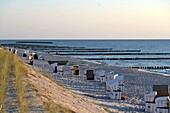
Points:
160	46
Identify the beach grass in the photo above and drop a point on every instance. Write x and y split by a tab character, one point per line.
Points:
53	108
11	64
19	72
4	63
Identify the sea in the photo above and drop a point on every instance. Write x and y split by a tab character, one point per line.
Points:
146	46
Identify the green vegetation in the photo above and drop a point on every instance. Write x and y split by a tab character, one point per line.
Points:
53	108
4	66
11	65
19	72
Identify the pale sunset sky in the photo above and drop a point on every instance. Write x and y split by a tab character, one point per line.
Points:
85	19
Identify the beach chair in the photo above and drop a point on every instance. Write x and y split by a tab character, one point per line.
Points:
162	104
162	98
114	91
90	74
35	56
30	59
75	70
13	50
103	78
162	90
150	98
150	101
59	70
111	76
24	55
111	85
41	57
16	51
55	69
98	74
116	95
119	80
115	87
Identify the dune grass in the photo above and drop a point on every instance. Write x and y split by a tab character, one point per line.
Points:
55	108
19	72
11	65
4	71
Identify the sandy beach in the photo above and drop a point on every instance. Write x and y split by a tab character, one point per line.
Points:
137	83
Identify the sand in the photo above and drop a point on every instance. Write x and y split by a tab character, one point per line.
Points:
137	83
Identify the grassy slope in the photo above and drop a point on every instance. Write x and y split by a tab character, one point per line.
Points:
11	64
4	71
53	96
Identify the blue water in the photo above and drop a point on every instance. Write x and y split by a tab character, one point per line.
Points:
143	45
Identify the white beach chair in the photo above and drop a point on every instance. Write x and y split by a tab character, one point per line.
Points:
111	76
60	70
162	104
114	91
111	85
16	51
150	101
115	95
98	74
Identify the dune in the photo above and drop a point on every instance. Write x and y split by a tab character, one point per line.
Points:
24	89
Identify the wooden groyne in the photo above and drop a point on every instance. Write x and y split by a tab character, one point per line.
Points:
91	50
114	53
127	58
151	67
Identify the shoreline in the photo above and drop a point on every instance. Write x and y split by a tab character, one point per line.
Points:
163	74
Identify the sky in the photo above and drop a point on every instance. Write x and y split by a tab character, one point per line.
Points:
85	19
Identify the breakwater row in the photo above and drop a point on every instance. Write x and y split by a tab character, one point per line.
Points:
161	58
151	67
114	54
90	50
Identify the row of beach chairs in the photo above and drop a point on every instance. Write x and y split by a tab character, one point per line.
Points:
158	100
114	82
12	50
